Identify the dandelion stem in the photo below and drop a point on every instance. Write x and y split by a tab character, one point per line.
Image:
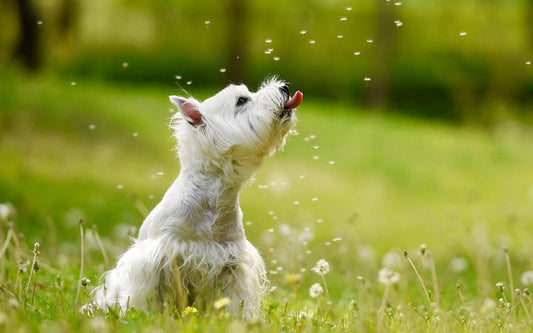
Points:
418	276
6	243
81	264
384	298
35	253
461	297
434	281
34	286
325	286
100	245
510	274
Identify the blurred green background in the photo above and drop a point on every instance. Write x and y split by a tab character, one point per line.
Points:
415	128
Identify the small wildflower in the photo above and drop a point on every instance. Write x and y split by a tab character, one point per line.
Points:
293	279
500	286
189	310
316	290
321	267
85	281
222	302
388	277
527	278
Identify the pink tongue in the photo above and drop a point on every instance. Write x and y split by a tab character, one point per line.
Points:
295	100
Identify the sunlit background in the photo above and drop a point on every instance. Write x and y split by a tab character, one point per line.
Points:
416	125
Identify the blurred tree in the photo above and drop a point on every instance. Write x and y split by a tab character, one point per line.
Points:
378	91
237	39
27	49
68	18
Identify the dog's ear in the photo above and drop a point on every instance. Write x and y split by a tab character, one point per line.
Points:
189	108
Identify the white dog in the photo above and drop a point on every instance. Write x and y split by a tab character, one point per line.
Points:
192	247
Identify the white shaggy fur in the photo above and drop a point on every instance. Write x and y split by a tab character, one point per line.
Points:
193	243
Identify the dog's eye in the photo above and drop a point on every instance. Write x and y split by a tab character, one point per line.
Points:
242	100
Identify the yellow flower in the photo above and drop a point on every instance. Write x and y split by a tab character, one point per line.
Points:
293	279
189	310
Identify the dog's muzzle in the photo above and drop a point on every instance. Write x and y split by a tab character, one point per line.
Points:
291	102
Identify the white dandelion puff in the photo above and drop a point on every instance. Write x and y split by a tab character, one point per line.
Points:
527	278
321	267
316	290
388	277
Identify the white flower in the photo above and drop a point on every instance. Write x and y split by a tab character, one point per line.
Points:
7	211
388	277
527	278
392	260
321	267
316	290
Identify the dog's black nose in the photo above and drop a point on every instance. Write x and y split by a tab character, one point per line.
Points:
285	89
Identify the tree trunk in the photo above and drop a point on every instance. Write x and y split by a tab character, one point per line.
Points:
28	50
237	40
378	89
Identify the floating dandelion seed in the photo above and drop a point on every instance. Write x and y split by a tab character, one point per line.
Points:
92	126
462	33
73	83
39	22
398	23
248	223
312	41
348	8
388	277
528	63
268	41
527	278
160	173
276	58
135	134
316	290
316	157
296	203
337	239
222	70
189	83
301	176
314	199
270	230
178	77
340	36
370	41
397	3
120	187
319	220
303	32
367	79
344	18
356	53
331	162
321	267
316	147
312	137
207	22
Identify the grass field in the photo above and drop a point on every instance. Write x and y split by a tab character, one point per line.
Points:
352	187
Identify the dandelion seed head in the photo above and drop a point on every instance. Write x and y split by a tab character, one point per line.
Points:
388	276
315	290
222	70
321	267
527	278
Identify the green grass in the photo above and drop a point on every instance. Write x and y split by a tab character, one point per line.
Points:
381	184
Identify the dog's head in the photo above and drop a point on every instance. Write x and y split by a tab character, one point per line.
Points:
235	125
